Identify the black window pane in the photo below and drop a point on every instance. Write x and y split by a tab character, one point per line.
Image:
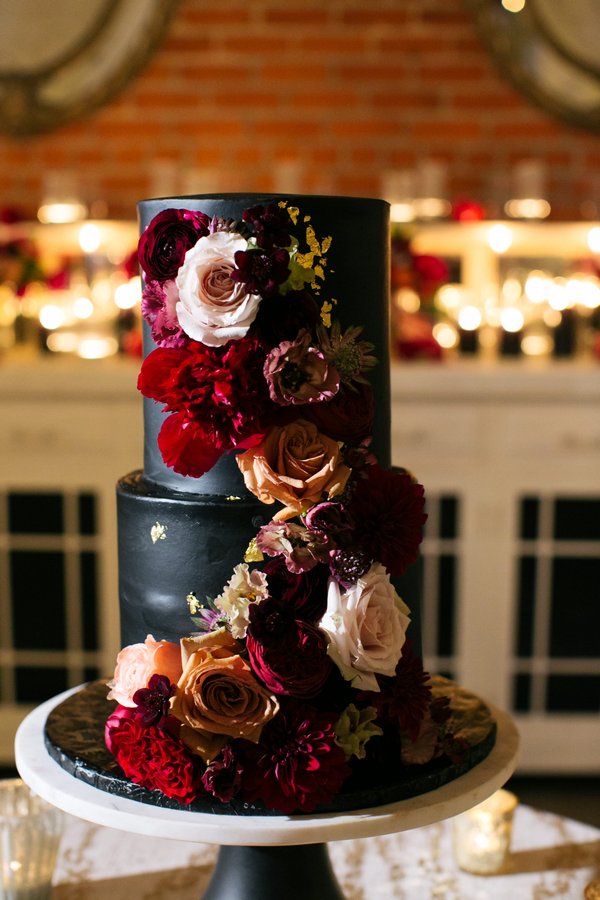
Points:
522	692
526	608
91	673
34	685
87	514
530	507
575	617
573	693
35	513
38	600
448	517
89	600
446	605
577	519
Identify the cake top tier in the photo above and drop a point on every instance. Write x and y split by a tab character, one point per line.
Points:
260	310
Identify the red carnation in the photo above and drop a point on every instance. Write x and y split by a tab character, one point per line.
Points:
218	397
297	766
151	757
388	508
166	240
288	655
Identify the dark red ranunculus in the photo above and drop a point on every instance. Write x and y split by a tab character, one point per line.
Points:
405	697
223	776
262	273
297	766
348	417
152	757
217	395
166	240
388	508
270	224
289	655
305	593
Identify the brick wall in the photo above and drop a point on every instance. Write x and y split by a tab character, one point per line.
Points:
316	96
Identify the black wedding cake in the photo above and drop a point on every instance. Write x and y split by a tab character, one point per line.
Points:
268	550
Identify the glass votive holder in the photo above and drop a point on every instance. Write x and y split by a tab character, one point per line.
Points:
30	831
482	834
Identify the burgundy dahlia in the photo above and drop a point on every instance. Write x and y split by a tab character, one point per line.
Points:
389	510
288	655
166	240
217	397
297	766
223	776
152	757
152	702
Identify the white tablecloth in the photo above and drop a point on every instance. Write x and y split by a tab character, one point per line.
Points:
551	857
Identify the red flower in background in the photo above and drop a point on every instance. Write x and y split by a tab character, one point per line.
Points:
297	765
217	397
166	240
389	510
151	757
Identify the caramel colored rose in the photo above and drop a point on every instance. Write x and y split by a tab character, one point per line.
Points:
218	696
296	465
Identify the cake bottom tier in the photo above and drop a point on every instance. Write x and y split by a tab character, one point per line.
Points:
74	738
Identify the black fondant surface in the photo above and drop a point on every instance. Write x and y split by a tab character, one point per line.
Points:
74	737
203	539
357	277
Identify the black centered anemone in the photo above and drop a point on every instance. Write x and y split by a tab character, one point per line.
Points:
293	377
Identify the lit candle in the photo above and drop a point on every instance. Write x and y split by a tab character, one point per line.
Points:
482	834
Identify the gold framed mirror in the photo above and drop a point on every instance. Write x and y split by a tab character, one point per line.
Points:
62	59
548	50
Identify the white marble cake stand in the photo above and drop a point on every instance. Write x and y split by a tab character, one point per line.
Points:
262	857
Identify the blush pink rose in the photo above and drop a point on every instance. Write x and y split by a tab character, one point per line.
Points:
296	465
366	626
137	663
213	308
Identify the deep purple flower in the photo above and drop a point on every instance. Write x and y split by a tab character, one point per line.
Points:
223	776
271	225
152	702
262	273
347	566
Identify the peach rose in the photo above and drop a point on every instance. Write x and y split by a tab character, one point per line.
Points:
296	465
217	695
137	663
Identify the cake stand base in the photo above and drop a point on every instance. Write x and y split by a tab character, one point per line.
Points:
272	873
261	857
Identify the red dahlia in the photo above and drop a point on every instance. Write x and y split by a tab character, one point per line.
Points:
151	757
389	509
217	397
297	765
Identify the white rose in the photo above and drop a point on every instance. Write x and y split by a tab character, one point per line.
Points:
366	626
212	308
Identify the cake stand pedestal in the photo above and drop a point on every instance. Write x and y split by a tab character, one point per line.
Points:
261	857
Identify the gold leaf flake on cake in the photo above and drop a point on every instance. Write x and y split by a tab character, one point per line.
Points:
326	309
293	213
253	554
158	532
233	497
193	603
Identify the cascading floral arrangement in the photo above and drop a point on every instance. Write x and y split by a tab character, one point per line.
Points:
299	672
